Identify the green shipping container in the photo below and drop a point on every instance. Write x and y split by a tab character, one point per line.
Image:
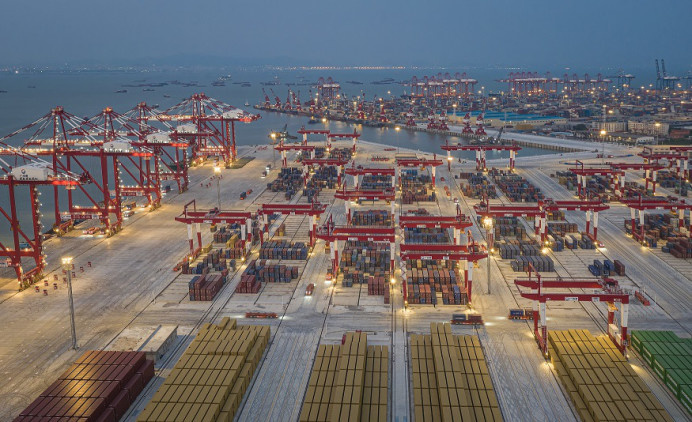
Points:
685	397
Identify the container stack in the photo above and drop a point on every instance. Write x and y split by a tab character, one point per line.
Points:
326	177
215	260
361	259
376	182
99	386
581	360
348	382
248	284
379	218
450	378
664	227
206	287
417	235
414	187
289	181
379	286
283	249
477	186
671	359
540	264
515	187
210	379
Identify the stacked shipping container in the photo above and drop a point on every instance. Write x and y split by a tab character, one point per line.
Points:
349	382
450	379
477	186
283	249
602	384
289	180
671	359
99	386
206	287
210	379
515	187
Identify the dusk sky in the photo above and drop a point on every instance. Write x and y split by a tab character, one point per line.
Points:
354	32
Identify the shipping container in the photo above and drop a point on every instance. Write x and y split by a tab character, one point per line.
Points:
99	386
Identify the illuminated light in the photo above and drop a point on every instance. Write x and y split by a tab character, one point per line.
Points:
392	280
397	128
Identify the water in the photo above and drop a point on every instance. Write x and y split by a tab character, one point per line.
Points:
32	95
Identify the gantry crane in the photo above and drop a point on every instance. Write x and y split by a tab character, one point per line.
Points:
19	169
313	210
349	195
481	153
356	172
590	293
333	234
170	149
71	141
418	162
211	129
191	215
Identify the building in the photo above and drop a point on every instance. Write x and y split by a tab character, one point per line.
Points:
609	127
648	127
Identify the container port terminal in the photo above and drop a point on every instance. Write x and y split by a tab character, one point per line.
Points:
348	280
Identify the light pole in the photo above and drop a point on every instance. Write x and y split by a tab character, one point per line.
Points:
217	172
488	223
397	129
67	266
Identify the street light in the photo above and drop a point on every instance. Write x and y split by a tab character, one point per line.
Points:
67	266
217	171
488	223
397	129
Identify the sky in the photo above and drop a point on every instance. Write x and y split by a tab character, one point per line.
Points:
350	32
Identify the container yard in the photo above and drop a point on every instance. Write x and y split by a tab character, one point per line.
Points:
433	282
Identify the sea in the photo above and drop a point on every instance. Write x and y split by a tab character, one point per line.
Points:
28	95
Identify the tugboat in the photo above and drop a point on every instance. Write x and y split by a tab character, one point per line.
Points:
313	120
247	103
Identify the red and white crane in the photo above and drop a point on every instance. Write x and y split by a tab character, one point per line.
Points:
643	205
418	162
356	172
650	172
333	234
539	213
313	210
210	124
214	216
584	172
72	143
170	150
18	169
480	130
284	148
410	121
306	132
458	223
353	136
349	195
467	124
467	255
481	153
538	295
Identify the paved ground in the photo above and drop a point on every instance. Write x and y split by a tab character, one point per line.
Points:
132	285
